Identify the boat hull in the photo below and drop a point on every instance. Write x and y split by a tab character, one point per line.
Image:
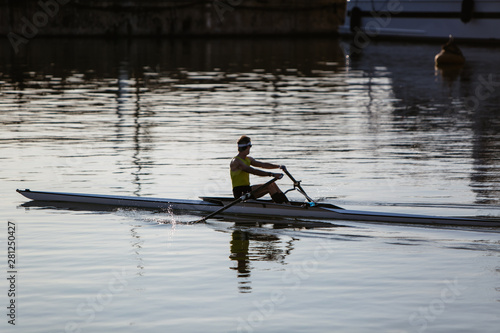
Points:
254	207
423	19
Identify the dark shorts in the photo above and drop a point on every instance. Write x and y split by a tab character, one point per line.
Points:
238	191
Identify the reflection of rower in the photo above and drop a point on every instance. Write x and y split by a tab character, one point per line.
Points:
239	251
264	247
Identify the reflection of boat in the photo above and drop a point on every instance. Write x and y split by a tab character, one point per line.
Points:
477	20
255	207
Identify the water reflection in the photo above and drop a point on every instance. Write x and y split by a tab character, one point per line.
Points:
159	118
239	252
385	106
129	106
458	105
252	246
250	242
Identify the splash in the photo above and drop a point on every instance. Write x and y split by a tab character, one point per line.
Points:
171	218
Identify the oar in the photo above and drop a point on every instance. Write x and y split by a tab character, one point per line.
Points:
296	184
244	197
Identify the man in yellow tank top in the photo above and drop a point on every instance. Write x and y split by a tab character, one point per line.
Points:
243	165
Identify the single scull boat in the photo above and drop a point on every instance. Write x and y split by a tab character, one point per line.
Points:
257	207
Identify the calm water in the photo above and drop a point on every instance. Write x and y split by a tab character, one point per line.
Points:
380	130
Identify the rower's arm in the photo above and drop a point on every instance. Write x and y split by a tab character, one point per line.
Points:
264	165
237	164
256	172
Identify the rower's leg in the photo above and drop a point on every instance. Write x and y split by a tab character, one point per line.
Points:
279	197
260	193
274	191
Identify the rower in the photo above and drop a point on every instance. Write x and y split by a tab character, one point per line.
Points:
241	167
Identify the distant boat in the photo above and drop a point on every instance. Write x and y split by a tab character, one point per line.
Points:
466	20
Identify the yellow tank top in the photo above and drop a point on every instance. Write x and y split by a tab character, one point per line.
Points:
240	177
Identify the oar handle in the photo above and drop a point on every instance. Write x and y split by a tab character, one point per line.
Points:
244	197
289	175
296	185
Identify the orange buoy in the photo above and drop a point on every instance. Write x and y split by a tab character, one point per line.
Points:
450	54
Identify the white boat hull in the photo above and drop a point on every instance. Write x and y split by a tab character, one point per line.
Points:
254	207
422	19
